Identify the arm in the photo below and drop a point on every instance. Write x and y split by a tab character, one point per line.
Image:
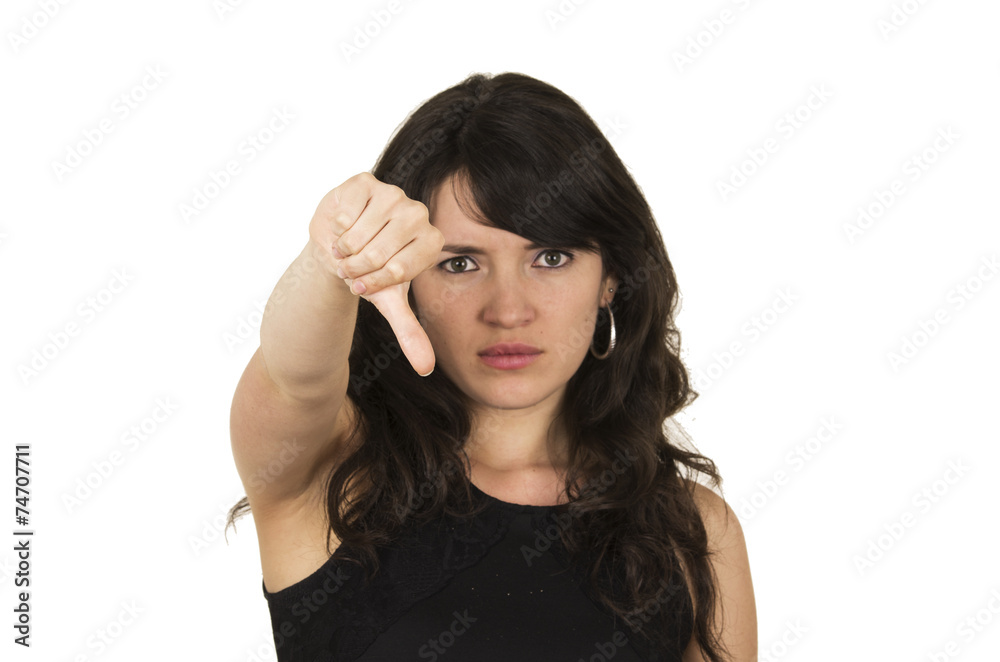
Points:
735	610
291	415
287	419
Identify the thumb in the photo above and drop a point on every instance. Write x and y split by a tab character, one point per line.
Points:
392	303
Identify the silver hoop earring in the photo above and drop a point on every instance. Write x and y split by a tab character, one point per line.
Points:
611	343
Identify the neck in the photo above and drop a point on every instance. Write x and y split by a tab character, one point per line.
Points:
517	439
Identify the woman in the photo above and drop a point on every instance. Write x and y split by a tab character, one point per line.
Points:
493	481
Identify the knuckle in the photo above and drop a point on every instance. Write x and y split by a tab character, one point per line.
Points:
341	221
420	208
395	193
344	245
375	257
437	238
395	271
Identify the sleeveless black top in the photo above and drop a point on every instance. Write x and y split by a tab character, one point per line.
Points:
495	586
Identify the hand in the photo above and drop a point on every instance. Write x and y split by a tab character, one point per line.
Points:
379	237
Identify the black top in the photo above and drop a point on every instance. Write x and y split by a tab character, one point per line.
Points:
494	587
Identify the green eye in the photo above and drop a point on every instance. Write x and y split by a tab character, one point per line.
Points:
557	253
460	264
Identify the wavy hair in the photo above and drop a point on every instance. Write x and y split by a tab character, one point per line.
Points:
536	164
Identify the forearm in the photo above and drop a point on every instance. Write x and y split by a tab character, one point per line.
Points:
307	326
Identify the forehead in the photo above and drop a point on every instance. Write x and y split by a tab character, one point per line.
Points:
448	216
442	204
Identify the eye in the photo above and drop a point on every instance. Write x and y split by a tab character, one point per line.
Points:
556	253
460	264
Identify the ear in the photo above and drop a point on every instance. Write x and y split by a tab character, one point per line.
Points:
609	283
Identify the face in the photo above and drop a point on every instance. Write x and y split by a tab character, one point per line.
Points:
489	286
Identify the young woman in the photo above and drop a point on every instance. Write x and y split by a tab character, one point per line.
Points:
454	434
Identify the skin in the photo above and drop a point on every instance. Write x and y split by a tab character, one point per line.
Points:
735	609
509	293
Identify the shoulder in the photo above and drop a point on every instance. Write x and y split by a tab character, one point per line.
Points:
735	612
721	524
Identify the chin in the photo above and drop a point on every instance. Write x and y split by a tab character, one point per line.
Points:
508	396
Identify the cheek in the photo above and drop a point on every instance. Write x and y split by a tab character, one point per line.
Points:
436	297
425	301
578	322
438	311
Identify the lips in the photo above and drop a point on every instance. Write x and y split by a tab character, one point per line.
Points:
509	348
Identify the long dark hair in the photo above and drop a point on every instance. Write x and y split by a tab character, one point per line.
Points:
537	165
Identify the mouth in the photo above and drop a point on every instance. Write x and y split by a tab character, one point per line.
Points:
509	356
508	361
510	349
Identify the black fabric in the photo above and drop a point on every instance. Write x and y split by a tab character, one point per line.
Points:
496	586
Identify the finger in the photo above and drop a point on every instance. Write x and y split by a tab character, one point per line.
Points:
382	208
402	267
413	340
342	206
386	242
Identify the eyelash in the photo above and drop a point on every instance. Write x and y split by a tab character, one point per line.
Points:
568	254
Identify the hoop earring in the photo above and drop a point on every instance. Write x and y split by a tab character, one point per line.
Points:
611	343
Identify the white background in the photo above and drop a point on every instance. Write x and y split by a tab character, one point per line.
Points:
683	127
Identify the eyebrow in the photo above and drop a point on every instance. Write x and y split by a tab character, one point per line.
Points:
473	250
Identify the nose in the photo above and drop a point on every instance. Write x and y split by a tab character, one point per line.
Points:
508	301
